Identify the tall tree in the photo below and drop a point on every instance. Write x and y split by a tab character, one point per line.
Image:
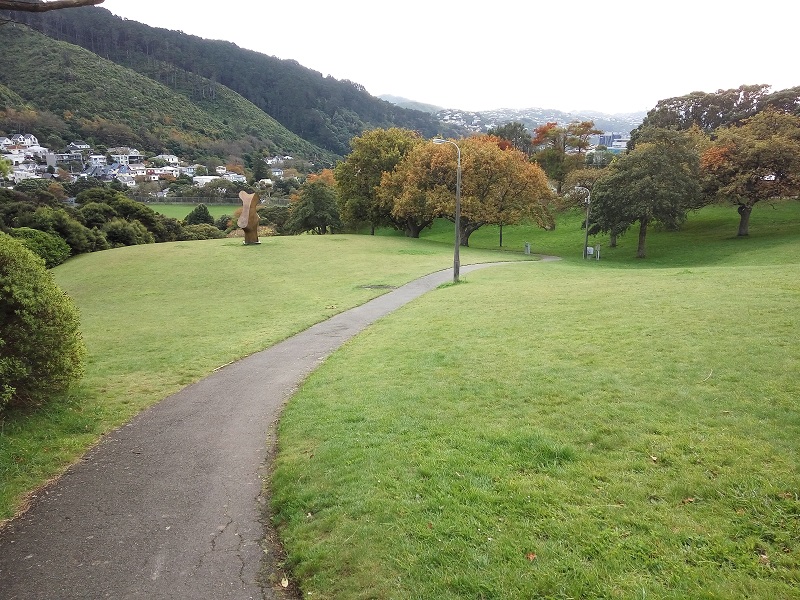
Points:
560	149
358	176
758	161
517	134
658	181
499	186
314	209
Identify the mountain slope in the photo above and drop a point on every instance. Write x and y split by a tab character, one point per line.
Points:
76	94
323	110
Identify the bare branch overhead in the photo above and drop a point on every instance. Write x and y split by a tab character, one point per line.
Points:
22	5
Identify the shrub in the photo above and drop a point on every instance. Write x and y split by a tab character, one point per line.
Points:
202	231
120	232
274	215
41	349
199	215
51	248
224	222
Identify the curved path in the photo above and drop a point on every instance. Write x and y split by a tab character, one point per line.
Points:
170	505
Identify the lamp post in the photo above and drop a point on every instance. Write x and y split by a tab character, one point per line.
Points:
456	258
588	202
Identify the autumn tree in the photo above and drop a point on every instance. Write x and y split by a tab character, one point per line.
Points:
757	161
498	186
406	192
517	134
658	181
561	149
358	176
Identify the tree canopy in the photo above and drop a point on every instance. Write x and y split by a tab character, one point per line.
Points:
358	176
499	186
658	181
756	161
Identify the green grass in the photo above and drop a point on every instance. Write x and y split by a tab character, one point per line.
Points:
180	211
635	430
581	429
619	428
158	317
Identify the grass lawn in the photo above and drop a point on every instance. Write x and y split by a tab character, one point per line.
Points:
180	211
619	428
582	429
158	317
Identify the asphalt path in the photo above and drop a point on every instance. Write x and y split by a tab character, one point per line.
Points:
172	505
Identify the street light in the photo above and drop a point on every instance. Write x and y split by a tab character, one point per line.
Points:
588	202
456	259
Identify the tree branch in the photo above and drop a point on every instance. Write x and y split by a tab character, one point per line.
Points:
23	6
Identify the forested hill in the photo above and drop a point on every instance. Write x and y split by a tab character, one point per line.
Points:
323	110
61	92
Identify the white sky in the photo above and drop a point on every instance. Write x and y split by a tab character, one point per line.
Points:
607	55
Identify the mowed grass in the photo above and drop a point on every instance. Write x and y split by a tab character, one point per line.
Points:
560	430
180	211
158	317
579	429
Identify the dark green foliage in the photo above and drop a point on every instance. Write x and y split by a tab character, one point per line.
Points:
50	248
315	210
722	108
517	134
201	231
657	182
223	222
59	222
120	232
199	215
71	93
41	350
322	110
96	214
276	216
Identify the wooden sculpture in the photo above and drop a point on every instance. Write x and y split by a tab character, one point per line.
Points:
248	220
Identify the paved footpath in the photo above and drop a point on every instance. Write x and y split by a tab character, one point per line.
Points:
170	506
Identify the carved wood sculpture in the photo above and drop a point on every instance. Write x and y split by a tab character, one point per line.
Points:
248	220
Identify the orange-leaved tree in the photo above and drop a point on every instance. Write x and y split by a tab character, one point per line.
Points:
499	186
756	161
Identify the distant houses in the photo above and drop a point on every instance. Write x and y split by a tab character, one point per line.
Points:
125	164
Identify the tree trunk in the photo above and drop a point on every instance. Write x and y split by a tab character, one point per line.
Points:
640	251
412	230
612	240
744	219
501	235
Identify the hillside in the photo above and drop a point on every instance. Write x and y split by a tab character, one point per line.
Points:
322	110
71	93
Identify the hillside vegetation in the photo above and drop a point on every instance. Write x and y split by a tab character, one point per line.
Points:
322	110
70	93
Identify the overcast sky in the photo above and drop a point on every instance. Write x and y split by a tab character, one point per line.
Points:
607	55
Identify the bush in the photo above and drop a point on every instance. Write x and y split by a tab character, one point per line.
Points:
198	216
203	231
41	349
120	232
274	215
51	248
224	222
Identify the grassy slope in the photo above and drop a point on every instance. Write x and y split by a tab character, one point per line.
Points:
630	424
82	87
560	430
158	317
